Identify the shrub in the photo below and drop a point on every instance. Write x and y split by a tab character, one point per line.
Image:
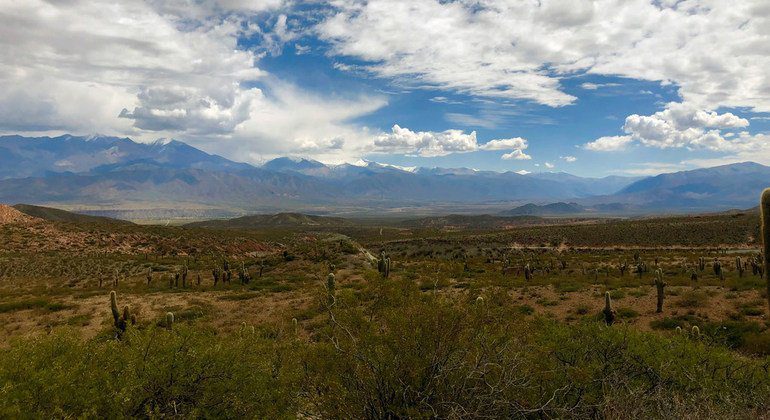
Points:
149	373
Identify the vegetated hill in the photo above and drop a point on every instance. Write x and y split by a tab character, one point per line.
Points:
545	210
57	215
460	221
9	215
272	220
719	188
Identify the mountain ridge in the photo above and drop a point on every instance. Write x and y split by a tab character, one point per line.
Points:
113	172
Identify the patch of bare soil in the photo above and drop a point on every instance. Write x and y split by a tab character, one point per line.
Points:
9	215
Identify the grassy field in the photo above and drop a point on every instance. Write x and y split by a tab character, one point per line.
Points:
469	321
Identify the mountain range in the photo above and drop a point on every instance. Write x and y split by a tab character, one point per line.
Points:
110	174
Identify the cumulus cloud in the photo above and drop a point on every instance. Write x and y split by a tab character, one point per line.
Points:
432	143
516	155
568	159
682	125
516	143
609	144
549	165
175	68
715	52
425	143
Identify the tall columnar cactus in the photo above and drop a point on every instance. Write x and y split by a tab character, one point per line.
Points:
120	320
527	273
701	263
609	313
765	223
184	275
169	320
718	269
739	266
149	275
660	285
215	274
330	286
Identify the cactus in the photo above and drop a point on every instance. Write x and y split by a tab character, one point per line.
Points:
149	275
330	286
295	325
527	273
215	275
659	285
120	321
198	279
718	269
184	275
169	320
609	313
739	266
695	331
701	263
479	300
764	264
623	268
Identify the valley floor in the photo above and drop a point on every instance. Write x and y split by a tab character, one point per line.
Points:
524	285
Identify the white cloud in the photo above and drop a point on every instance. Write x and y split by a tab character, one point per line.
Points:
425	143
432	143
516	143
516	155
523	172
568	159
595	86
609	144
683	125
715	52
549	165
150	69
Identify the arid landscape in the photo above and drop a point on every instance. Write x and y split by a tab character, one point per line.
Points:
524	285
385	209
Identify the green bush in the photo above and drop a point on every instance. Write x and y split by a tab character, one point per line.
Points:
390	350
150	373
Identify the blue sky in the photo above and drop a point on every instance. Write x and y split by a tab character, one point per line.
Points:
588	87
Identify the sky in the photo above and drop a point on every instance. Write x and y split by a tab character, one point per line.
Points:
593	88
